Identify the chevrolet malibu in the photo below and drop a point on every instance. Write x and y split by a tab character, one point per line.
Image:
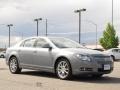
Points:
58	55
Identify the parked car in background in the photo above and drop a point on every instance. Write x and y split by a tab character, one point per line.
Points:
2	54
114	52
57	55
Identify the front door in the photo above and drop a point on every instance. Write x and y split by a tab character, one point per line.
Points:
43	56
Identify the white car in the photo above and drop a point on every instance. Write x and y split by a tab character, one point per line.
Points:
2	54
114	53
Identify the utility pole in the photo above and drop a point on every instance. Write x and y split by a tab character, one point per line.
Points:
95	29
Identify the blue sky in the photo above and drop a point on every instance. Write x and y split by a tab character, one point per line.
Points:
62	21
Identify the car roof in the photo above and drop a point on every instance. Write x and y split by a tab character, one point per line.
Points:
35	38
45	37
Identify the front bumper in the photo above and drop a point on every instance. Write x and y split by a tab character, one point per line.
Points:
92	67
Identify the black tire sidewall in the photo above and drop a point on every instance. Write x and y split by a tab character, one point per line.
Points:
113	57
18	69
2	56
70	70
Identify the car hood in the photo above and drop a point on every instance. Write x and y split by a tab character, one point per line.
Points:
84	51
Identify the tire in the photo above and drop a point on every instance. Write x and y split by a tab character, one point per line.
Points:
14	66
113	58
63	69
97	75
2	56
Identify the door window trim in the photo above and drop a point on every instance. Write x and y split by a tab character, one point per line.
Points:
35	45
23	43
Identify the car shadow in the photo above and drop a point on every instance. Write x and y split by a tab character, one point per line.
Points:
100	80
3	69
88	79
117	61
39	74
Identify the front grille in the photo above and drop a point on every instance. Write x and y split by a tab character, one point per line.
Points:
105	58
102	59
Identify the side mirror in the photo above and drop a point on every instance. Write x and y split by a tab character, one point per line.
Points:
50	48
47	46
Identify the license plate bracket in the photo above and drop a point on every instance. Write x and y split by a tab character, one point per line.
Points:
106	67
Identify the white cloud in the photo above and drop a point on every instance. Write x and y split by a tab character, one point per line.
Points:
60	12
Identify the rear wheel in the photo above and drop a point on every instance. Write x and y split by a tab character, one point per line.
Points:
14	66
63	69
2	56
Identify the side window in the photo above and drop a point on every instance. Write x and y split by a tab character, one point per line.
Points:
115	50
29	43
41	43
118	50
22	44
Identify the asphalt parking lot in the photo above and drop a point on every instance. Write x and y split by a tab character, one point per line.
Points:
36	80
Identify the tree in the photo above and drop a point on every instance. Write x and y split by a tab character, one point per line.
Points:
109	39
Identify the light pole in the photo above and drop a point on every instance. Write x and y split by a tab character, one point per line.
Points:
21	35
95	28
46	27
112	13
9	25
37	20
79	11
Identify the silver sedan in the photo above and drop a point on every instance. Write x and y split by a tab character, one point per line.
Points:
57	55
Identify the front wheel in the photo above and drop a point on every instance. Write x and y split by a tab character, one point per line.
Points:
14	66
113	58
63	69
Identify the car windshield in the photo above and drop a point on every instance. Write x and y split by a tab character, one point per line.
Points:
65	43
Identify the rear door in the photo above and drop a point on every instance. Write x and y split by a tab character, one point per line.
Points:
26	52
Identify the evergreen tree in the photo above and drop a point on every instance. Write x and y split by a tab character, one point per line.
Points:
109	39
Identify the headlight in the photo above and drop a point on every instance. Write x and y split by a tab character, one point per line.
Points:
83	57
